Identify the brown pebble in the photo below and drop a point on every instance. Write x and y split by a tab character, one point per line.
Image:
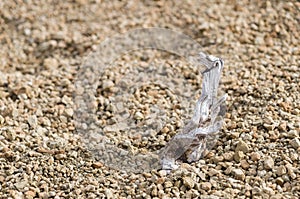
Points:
245	164
160	180
30	194
97	165
60	156
280	170
238	156
206	186
242	146
255	156
2	178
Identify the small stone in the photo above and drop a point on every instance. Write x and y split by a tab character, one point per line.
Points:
66	100
259	40
27	31
52	193
228	156
90	188
256	191
32	120
39	112
218	159
206	186
165	130
282	126
51	160
239	174
45	121
294	156
277	196
281	170
162	173
242	146
147	175
255	156
168	184
60	156
188	182
21	185
15	113
51	63
109	194
107	84
154	191
30	194
17	194
213	172
160	180
69	112
228	170
269	127
2	178
244	164
269	163
2	120
138	115
295	143
293	134
279	181
268	190
238	156
97	165
40	130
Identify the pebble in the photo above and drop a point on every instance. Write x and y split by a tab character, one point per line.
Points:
51	63
109	194
40	130
168	184
245	165
242	146
21	185
162	173
32	120
238	156
228	156
30	194
69	112
188	182
279	181
255	156
60	156
295	143
268	163
239	174
206	186
165	130
213	172
280	170
107	84
138	115
97	165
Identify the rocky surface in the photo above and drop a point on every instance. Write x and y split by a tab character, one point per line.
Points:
43	44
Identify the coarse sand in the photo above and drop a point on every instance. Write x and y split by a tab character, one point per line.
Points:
43	45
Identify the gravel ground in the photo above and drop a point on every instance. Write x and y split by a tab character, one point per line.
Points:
43	44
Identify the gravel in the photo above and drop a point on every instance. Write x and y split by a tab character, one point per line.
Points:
43	44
